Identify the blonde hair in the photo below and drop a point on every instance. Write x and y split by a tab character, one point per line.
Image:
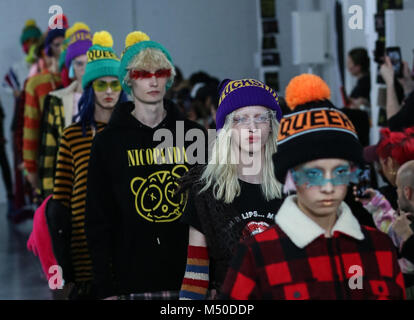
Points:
221	172
147	59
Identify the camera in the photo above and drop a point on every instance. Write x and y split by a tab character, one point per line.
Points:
394	53
364	182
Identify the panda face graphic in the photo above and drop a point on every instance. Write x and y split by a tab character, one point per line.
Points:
155	197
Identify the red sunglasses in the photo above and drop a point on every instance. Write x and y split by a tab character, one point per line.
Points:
141	74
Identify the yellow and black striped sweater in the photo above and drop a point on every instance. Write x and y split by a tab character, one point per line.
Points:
70	188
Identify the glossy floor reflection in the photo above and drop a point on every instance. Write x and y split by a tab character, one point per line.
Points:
21	276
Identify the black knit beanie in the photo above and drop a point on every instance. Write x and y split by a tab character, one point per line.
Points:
315	129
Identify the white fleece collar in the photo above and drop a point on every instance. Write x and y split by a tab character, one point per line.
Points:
70	89
66	95
302	230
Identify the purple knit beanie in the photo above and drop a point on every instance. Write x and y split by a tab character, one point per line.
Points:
235	94
80	42
52	35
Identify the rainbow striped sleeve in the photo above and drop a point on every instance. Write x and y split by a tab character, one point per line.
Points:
196	277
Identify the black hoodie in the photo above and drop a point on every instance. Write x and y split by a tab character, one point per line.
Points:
136	241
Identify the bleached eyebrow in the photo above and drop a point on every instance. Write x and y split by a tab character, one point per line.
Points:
324	169
246	115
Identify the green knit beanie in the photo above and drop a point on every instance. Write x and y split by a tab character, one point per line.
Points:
102	59
135	42
30	31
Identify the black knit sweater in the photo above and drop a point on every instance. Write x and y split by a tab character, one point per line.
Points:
217	222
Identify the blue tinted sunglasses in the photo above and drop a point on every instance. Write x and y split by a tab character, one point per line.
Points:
310	177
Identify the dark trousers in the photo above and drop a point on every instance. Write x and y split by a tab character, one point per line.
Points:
5	170
4	162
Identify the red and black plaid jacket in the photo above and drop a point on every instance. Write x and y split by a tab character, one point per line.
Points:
270	266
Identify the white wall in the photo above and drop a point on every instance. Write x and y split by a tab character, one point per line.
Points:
287	69
352	37
217	36
408	4
328	70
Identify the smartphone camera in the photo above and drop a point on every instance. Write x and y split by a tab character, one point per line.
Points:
394	53
364	182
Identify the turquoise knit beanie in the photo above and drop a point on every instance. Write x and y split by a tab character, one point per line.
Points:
135	42
102	59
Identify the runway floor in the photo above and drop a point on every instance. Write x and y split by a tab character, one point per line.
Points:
21	275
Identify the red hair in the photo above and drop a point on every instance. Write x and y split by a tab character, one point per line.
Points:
397	145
